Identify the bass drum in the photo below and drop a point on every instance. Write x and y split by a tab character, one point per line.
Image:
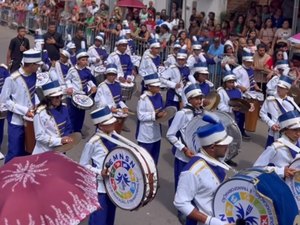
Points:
133	178
250	197
230	125
294	182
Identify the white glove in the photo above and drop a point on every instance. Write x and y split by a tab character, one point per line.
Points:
213	221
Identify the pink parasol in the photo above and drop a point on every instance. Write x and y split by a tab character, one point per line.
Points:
47	188
131	4
295	39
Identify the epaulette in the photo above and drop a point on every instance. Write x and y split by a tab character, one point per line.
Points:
173	66
271	98
143	96
210	83
40	108
238	67
220	88
64	104
15	75
4	66
94	139
277	145
113	53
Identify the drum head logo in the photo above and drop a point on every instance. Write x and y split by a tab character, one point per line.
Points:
125	184
238	199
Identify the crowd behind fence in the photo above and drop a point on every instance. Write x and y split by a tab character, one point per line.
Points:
12	18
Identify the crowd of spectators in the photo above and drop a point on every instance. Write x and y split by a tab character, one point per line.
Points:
259	25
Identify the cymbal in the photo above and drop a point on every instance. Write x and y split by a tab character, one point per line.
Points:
295	93
76	136
242	104
170	110
211	101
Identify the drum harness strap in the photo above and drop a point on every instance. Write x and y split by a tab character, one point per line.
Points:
289	145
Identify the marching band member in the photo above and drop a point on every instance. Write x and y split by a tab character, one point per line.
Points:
175	77
203	174
60	69
122	60
178	125
79	80
19	98
109	93
149	108
93	156
276	105
282	67
52	124
194	58
4	73
200	75
281	153
171	60
227	92
150	60
72	50
131	44
97	53
245	73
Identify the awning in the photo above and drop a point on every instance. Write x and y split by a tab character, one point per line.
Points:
131	4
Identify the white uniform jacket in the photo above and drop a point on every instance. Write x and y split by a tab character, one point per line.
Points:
272	85
170	77
95	151
171	60
46	131
104	97
73	81
16	97
270	110
149	131
242	77
278	154
147	65
224	100
179	123
57	74
93	56
198	184
114	58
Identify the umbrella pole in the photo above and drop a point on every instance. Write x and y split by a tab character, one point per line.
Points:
295	17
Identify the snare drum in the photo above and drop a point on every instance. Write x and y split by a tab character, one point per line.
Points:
294	182
127	90
99	73
29	134
82	101
133	178
121	117
256	197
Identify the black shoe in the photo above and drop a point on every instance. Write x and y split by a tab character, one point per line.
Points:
125	129
231	163
246	136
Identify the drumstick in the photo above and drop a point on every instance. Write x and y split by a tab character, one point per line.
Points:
131	113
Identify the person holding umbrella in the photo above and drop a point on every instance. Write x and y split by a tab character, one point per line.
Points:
95	151
52	124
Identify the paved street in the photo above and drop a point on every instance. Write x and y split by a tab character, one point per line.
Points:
161	210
